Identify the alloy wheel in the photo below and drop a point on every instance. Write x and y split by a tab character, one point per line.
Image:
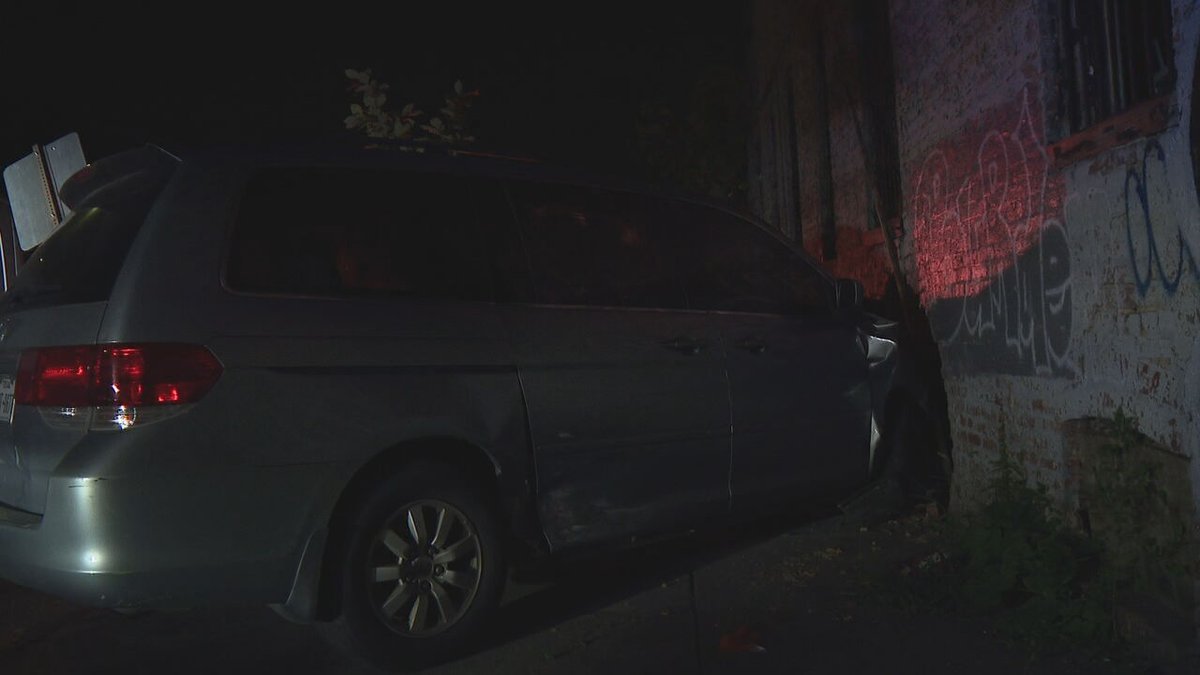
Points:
424	568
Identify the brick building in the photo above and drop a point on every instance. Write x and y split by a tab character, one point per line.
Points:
1035	160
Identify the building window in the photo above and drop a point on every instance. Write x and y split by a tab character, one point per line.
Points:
1113	55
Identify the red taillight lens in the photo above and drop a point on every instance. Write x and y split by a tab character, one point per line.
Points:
115	375
60	376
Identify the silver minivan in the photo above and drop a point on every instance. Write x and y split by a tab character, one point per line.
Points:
360	384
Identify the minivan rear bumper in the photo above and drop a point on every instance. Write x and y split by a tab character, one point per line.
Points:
189	541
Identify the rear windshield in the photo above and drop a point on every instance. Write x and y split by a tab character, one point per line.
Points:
80	261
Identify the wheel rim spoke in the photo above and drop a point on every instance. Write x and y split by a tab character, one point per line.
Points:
416	616
395	543
416	525
386	573
463	580
456	550
441	529
446	606
398	599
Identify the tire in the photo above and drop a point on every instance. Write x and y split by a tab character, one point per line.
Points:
421	570
918	470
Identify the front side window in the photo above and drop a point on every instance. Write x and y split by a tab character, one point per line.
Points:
731	265
593	247
357	232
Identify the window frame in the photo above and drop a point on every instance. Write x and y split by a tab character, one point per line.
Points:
654	236
741	226
248	174
1074	135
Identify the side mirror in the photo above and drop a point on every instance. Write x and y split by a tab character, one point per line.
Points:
849	293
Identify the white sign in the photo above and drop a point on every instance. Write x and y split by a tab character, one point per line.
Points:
33	182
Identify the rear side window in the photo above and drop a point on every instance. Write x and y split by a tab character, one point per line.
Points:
81	260
730	265
593	247
366	232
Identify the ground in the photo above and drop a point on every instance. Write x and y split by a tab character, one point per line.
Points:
793	596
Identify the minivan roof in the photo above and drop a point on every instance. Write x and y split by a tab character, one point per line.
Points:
373	152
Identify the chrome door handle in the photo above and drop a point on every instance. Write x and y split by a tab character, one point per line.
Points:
752	345
684	345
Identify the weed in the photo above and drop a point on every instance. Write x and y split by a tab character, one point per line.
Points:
1046	583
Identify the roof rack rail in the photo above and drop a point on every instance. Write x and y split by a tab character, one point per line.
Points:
450	150
458	152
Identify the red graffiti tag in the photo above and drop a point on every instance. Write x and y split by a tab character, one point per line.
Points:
991	247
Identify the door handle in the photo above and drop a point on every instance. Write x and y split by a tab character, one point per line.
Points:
753	345
684	345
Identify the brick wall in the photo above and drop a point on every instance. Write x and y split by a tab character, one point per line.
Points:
1039	306
1056	288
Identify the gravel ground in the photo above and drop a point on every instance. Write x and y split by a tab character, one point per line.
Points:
780	597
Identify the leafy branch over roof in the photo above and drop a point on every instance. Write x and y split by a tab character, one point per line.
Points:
371	116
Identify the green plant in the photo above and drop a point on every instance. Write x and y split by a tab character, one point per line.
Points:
1045	582
1018	557
1147	547
371	116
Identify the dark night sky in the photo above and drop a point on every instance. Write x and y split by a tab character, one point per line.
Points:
560	84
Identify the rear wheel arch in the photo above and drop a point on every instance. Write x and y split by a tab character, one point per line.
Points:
469	461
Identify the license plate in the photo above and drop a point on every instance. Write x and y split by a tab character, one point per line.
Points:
6	399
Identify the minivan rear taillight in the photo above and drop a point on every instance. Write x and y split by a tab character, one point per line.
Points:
117	378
